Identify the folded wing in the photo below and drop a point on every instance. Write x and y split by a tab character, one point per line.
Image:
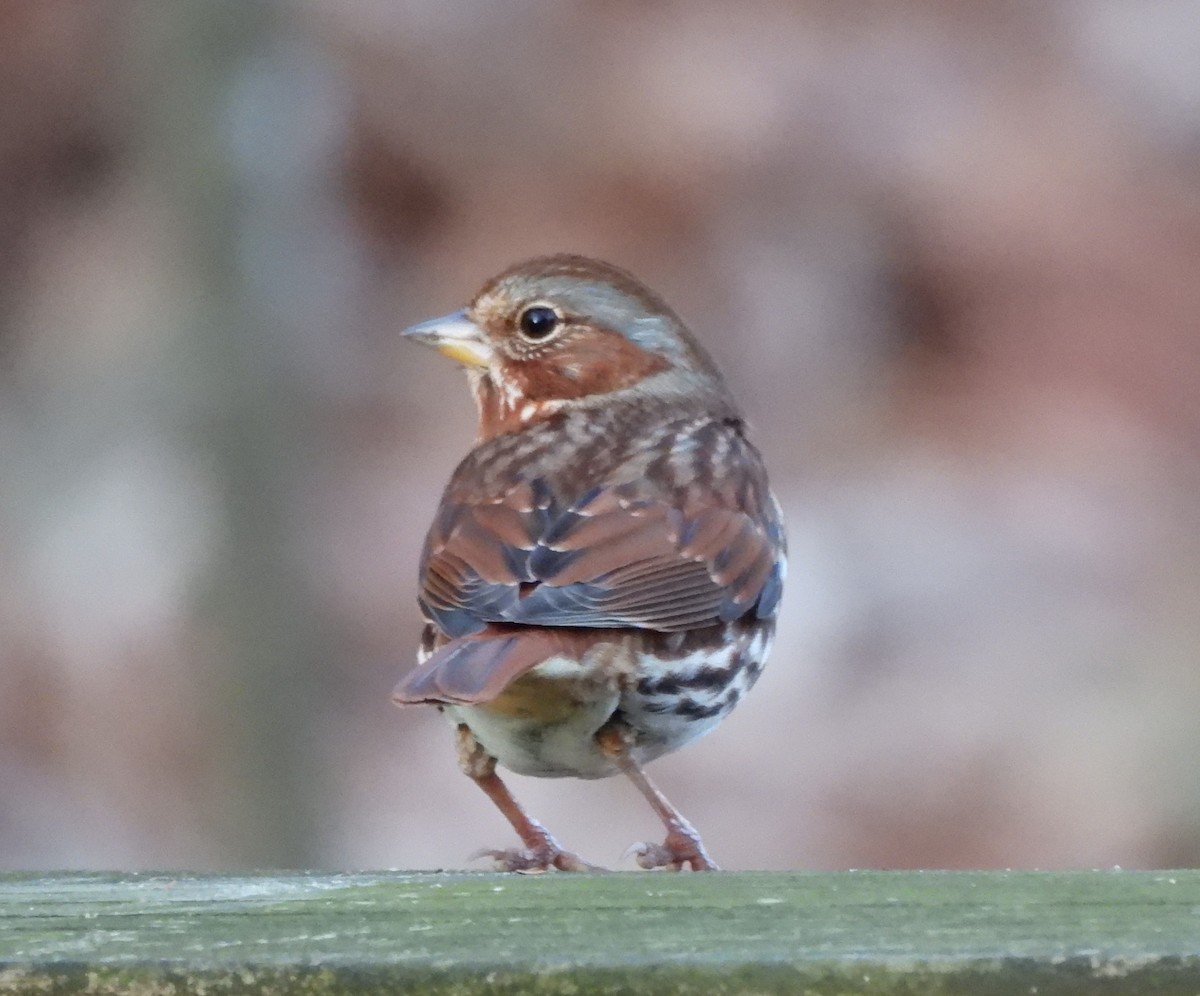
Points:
625	555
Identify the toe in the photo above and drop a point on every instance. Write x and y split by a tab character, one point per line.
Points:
513	859
568	862
531	861
677	850
651	856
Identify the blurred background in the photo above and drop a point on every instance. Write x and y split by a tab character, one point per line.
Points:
948	254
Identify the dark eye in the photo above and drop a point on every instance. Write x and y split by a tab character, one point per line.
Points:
538	321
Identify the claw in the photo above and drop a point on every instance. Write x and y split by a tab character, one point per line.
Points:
650	856
534	861
682	847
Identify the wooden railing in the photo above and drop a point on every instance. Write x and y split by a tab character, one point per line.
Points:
754	932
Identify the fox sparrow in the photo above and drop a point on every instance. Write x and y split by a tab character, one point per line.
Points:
601	579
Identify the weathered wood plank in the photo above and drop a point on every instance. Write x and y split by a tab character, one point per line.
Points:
855	932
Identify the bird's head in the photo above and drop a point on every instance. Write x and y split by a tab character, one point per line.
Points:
562	331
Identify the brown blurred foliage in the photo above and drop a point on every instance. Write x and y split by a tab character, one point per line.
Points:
946	252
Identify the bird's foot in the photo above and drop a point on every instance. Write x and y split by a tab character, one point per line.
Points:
683	846
534	860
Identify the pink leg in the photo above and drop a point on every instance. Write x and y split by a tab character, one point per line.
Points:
683	845
541	851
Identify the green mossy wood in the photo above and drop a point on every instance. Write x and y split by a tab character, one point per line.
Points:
752	932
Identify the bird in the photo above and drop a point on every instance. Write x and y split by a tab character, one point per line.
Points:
601	580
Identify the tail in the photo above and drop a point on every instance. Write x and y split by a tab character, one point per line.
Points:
475	669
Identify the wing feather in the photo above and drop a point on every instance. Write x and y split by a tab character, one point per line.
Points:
628	554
